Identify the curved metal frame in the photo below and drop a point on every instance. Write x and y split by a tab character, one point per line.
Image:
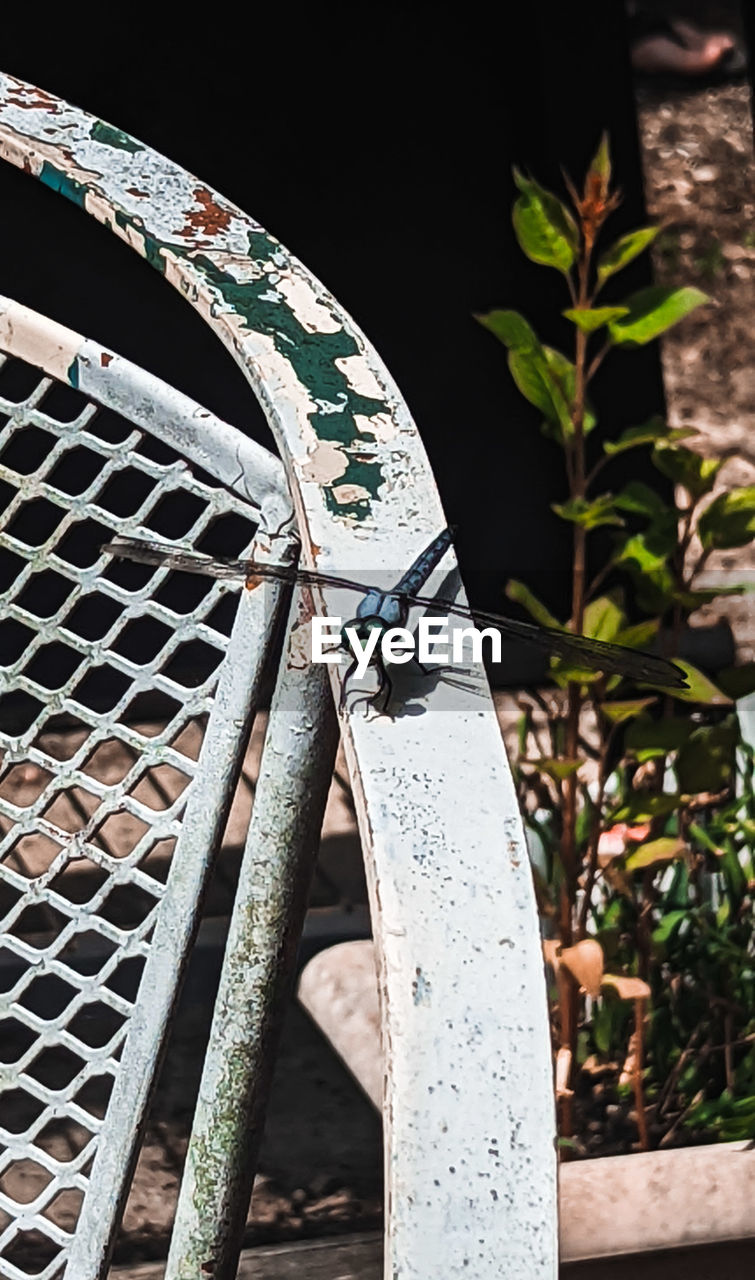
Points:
470	1161
60	816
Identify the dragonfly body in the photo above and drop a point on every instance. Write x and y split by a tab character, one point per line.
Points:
385	610
382	611
391	608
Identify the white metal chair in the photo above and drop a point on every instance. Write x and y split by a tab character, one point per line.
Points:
468	1116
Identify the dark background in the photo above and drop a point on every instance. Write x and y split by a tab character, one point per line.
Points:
377	145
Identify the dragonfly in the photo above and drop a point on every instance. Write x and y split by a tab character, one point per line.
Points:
387	609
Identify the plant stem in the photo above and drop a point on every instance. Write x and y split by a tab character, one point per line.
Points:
639	1097
594	841
577	477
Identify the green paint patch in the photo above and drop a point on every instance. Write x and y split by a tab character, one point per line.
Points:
312	356
152	246
111	137
57	180
72	373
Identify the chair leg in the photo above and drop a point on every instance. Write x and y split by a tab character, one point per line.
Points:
295	773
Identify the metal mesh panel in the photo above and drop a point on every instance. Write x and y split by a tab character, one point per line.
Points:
107	676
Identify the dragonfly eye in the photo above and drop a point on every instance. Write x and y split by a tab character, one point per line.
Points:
362	627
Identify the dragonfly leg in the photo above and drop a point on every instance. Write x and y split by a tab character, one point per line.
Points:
344	686
385	686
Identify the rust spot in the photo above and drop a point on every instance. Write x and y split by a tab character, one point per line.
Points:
207	221
134	191
105	358
29	98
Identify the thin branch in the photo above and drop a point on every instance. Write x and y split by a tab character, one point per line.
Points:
602	461
599	578
597	362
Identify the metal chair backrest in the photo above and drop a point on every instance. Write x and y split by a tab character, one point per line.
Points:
470	1161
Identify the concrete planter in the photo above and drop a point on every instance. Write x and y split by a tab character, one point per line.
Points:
609	1207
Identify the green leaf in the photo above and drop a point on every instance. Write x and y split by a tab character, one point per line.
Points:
637	498
536	609
700	835
701	689
530	373
532	378
618	712
648	433
555	768
643	806
676	896
564	675
655	852
734	877
511	329
706	595
601	163
706	760
642	552
729	521
589	513
737	682
624	251
589	319
603	619
652	311
545	229
565	375
666	735
638	636
685	467
668	926
536	370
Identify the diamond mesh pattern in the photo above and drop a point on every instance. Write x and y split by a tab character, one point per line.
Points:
107	676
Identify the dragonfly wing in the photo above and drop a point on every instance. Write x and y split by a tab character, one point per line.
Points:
142	551
579	651
160	554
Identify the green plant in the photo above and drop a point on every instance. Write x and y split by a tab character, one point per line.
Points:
657	932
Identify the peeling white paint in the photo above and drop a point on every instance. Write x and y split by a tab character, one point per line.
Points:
347	493
360	376
48	345
312	315
325	463
381	426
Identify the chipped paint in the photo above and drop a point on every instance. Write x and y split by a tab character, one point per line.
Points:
312	315
421	988
380	427
350	495
202	224
325	464
52	347
102	132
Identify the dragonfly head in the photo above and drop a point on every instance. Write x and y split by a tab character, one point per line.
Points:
390	609
363	626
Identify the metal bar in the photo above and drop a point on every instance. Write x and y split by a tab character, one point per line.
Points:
295	773
243	466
